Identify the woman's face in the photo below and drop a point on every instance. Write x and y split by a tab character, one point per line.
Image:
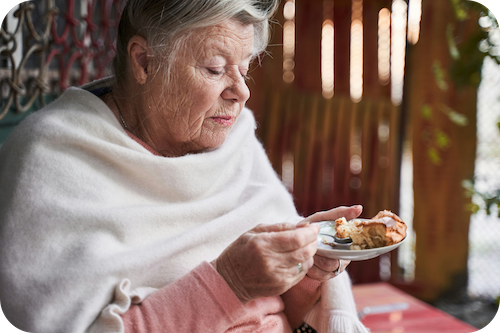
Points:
195	112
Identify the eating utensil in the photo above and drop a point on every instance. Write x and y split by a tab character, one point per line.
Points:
347	240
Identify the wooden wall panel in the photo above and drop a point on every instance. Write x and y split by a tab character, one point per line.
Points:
441	221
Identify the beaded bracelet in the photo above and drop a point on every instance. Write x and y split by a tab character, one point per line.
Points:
305	328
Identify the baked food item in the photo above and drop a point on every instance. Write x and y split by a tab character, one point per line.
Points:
385	228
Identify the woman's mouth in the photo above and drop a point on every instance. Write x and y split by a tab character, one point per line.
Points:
224	120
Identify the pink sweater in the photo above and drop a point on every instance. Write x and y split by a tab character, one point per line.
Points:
203	302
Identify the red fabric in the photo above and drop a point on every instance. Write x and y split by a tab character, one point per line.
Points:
190	304
202	301
419	317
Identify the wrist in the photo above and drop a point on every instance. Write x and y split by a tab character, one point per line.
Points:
232	280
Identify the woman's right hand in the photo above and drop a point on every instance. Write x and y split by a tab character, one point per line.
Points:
263	261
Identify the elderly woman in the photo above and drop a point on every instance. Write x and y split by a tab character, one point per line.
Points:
145	203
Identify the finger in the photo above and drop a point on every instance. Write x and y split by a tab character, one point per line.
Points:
308	264
303	223
317	273
291	240
305	267
344	264
348	212
301	255
326	264
321	275
278	227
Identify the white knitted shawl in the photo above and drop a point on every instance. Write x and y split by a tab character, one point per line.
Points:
90	221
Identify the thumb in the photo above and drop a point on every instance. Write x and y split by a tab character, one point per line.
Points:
273	227
302	224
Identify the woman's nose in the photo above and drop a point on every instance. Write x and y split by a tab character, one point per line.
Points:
237	90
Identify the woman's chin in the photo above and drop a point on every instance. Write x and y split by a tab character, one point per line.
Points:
215	142
214	137
206	144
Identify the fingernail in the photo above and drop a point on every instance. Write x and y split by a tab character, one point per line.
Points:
302	224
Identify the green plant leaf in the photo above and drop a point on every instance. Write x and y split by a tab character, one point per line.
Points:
452	46
468	184
434	156
472	208
427	112
442	139
438	72
460	10
457	118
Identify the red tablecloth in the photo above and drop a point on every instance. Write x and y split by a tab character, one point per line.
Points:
419	317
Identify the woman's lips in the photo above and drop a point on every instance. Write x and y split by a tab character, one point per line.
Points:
224	120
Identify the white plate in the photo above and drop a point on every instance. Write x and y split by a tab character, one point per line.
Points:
343	251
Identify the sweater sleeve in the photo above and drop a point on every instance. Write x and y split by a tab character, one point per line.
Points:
336	311
201	301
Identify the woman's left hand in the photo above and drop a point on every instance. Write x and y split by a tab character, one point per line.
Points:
325	268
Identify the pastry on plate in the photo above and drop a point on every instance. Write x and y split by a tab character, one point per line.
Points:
385	228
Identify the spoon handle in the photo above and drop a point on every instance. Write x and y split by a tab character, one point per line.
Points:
339	240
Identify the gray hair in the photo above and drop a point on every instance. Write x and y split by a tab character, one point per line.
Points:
165	24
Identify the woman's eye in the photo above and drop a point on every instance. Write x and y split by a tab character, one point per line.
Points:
215	71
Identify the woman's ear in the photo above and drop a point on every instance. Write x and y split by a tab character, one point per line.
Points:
138	54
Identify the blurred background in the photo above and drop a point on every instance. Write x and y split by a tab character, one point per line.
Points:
391	104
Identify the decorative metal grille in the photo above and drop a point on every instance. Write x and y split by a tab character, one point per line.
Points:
47	47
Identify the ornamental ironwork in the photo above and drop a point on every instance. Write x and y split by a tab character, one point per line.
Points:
48	45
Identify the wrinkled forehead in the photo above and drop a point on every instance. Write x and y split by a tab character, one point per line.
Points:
230	39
